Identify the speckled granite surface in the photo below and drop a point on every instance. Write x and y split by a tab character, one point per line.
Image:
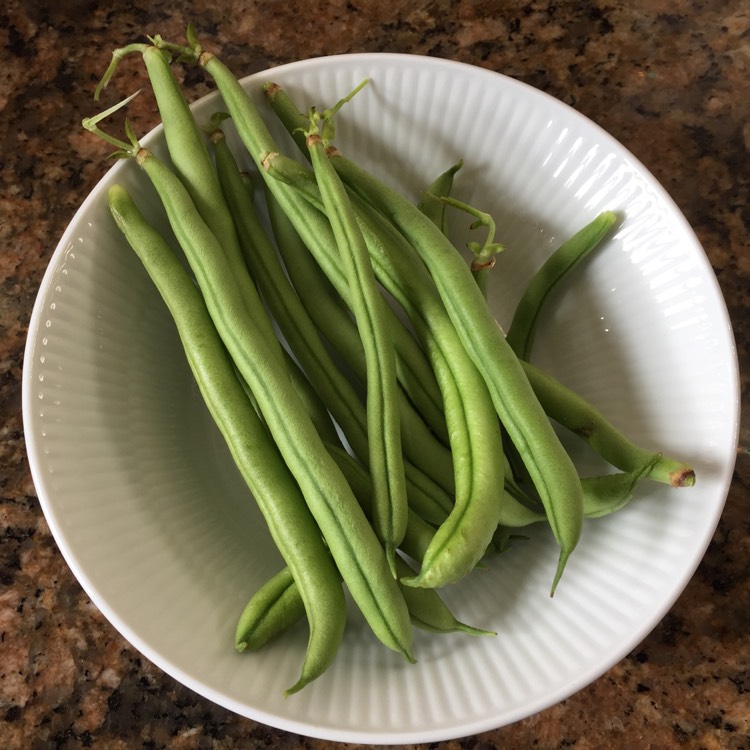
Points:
669	79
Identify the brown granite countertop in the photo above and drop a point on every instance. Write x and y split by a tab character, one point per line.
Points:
669	78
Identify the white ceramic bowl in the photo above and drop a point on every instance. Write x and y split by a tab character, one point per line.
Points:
148	510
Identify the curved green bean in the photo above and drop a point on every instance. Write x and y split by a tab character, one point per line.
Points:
522	330
289	520
274	608
473	426
353	544
522	416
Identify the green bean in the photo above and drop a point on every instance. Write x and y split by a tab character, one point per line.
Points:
606	494
518	408
298	328
426	498
428	611
582	418
368	306
418	533
562	404
521	332
314	405
353	544
271	610
288	518
602	495
475	436
515	514
502	541
190	160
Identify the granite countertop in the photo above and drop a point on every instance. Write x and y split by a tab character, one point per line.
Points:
670	79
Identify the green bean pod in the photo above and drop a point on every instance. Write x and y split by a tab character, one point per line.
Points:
289	520
274	608
418	533
602	495
514	400
430	202
427	609
299	329
349	536
314	405
389	507
473	426
606	494
561	262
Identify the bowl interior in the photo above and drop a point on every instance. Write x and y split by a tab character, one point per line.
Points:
150	513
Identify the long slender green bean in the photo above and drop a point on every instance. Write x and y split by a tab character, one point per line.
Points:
475	435
368	306
336	391
521	414
353	544
289	520
310	397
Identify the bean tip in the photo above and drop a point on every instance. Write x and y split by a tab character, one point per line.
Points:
561	563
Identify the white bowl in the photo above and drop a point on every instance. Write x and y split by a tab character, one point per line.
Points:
150	514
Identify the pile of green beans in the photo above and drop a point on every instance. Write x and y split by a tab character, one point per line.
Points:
392	435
